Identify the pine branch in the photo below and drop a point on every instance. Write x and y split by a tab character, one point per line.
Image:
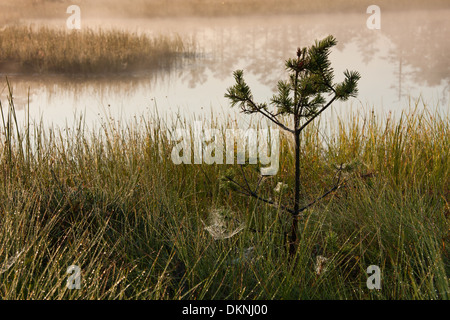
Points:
250	193
270	116
318	113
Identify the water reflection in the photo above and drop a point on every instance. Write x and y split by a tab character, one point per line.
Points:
406	58
422	56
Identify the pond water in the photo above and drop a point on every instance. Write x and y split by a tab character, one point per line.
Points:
406	59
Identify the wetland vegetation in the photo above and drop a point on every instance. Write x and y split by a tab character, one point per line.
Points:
110	200
25	49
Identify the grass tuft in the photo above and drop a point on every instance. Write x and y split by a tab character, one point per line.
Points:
44	50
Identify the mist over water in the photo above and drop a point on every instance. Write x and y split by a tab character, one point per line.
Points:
406	59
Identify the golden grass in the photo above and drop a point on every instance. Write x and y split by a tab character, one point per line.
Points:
45	50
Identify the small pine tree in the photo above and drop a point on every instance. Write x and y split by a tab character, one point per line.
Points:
307	93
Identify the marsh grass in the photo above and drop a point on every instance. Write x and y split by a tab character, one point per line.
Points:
111	201
46	50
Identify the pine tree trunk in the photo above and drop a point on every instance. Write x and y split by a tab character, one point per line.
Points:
293	242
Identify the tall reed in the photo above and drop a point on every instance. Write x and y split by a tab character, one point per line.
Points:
47	50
